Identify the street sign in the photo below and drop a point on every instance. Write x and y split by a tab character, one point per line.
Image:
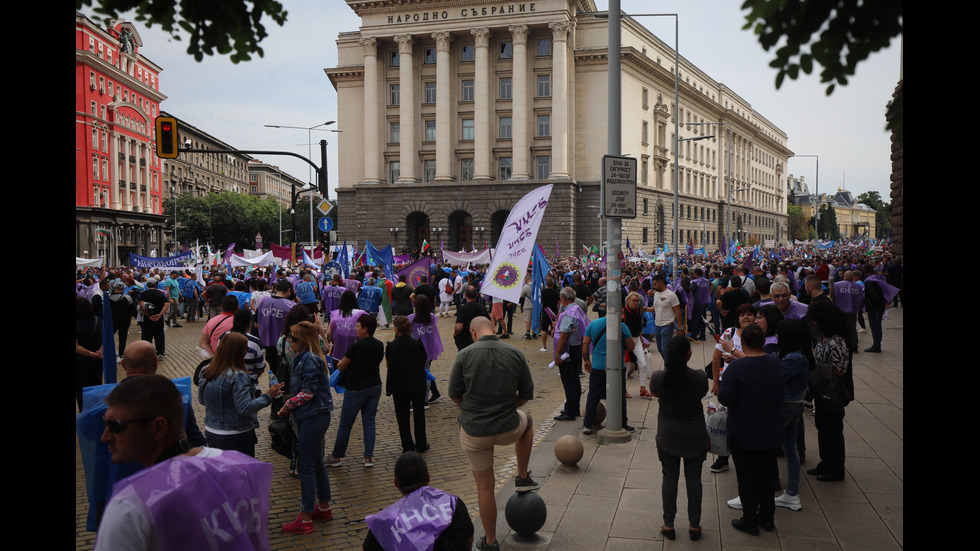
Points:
258	240
325	207
619	186
325	224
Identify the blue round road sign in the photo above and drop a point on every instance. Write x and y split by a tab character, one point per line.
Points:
325	224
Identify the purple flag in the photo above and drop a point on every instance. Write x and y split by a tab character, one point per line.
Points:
228	252
428	333
343	331
413	272
414	521
848	296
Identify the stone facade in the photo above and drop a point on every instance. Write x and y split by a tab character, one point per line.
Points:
453	112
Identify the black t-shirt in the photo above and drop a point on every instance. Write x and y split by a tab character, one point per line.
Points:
456	536
153	300
427	290
403	305
364	370
468	311
730	301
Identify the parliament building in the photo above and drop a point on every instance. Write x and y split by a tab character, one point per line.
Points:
452	110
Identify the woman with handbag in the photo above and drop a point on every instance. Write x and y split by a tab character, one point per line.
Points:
309	406
729	349
681	433
226	392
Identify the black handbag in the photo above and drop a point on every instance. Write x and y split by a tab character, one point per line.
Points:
282	437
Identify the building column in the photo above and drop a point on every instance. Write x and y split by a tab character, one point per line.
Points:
481	106
519	115
125	174
444	112
372	142
114	172
407	152
559	99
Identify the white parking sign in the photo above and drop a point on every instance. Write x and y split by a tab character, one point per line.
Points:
619	186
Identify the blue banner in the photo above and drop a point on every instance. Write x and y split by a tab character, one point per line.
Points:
138	261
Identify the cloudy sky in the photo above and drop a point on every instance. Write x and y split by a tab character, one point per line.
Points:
288	87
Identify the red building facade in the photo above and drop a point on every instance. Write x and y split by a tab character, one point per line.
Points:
118	197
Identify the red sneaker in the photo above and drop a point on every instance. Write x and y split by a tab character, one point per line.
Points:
322	514
298	526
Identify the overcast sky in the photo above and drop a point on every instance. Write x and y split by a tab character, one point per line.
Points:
288	87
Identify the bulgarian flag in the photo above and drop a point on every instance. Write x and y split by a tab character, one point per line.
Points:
425	245
104	233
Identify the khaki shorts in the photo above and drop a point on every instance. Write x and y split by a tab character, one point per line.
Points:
479	449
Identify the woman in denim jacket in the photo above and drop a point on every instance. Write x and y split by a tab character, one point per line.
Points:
226	393
310	406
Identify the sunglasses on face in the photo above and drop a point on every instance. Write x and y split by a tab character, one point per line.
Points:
116	426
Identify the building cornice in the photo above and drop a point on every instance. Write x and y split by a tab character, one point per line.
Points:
92	61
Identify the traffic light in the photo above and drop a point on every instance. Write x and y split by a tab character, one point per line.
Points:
167	146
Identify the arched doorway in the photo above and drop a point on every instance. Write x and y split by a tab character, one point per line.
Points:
417	226
460	231
497	221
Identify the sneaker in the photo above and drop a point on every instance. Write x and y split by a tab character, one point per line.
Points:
298	526
527	336
542	349
564	417
790	502
586	430
525	484
629	428
434	399
333	461
736	503
322	514
720	465
482	545
176	325
505	336
368	462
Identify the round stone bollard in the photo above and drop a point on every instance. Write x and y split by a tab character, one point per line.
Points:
569	450
526	513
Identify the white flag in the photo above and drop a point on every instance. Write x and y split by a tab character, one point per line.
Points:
505	276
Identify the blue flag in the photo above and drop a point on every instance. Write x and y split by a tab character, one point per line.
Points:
344	261
385	258
538	274
108	343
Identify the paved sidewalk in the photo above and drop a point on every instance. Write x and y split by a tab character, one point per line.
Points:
613	502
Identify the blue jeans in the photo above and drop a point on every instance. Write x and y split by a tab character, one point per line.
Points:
663	335
364	402
314	482
791	422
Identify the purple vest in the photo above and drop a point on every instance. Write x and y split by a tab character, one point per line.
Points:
352	285
428	333
583	323
344	331
848	296
271	316
414	521
205	502
331	297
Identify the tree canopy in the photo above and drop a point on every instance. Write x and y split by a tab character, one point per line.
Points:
835	34
227	26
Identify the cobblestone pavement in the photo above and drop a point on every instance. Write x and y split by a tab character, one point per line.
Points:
358	491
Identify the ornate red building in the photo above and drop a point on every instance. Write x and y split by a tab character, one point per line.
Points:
118	197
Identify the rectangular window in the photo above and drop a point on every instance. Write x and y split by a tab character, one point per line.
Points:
505	126
396	96
644	236
394	135
94	108
104	136
643	170
544	46
505	168
105	170
429	170
95	167
643	133
506	50
102	111
91	80
468	132
430	131
542	167
430	92
544	86
645	211
95	140
465	170
394	58
467	90
394	171
505	88
430	56
466	52
101	85
646	98
544	125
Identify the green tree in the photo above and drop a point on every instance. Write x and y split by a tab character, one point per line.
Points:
797	225
828	223
226	26
835	34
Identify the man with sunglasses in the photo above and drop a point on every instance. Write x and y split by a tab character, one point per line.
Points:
167	506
